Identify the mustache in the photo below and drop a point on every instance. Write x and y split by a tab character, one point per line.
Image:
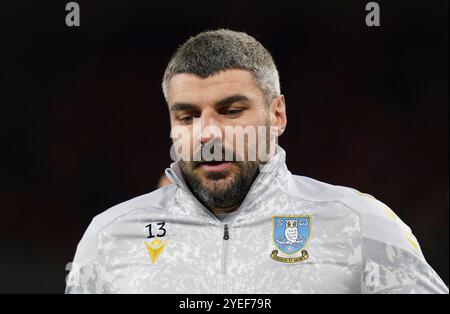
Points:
223	156
198	163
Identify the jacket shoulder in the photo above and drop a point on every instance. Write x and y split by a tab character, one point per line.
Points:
156	200
377	220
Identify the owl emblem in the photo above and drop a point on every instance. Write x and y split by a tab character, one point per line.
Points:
291	231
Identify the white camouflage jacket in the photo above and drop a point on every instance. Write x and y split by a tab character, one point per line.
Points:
292	234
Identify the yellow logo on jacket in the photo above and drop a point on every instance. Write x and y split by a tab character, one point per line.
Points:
155	248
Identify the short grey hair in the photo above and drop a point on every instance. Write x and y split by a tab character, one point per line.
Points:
211	52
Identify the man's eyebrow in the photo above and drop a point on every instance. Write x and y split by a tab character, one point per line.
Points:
231	99
178	106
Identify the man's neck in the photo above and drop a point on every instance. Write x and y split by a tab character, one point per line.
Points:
228	210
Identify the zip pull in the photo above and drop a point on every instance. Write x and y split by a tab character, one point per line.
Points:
226	235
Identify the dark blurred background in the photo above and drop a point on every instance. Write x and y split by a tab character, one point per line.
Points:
84	125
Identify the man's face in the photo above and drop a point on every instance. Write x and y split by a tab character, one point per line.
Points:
228	99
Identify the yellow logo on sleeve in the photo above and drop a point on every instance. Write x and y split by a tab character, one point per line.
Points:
155	248
412	240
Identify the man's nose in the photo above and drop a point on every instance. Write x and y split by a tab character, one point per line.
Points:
210	127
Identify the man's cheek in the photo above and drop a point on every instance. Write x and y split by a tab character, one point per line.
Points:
185	145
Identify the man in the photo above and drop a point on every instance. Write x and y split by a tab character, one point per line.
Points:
243	225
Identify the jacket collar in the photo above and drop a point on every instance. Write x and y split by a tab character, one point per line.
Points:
273	173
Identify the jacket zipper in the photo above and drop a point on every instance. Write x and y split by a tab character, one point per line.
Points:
226	237
226	232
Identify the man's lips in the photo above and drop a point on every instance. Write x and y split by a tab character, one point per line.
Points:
215	165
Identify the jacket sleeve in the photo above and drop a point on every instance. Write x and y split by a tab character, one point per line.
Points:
85	274
392	261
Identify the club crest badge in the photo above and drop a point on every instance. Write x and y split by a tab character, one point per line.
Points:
290	236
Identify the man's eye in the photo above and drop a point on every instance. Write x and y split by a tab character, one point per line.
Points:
233	112
186	119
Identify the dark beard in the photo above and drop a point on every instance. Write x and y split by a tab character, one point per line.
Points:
231	195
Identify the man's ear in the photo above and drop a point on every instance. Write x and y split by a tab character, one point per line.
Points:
278	114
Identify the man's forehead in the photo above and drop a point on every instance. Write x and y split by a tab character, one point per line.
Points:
194	89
